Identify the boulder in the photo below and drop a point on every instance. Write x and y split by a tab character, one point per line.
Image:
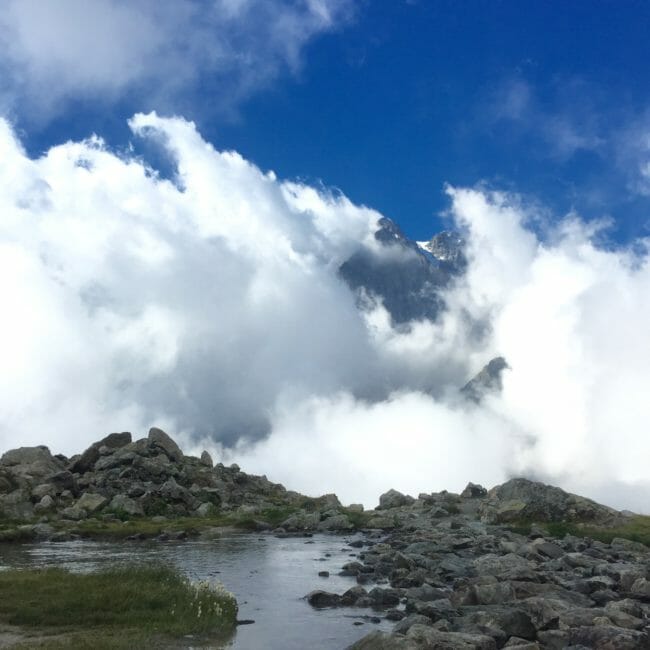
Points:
473	491
609	636
63	480
91	502
44	505
321	599
28	463
520	499
26	456
74	512
301	521
394	499
87	460
421	637
16	505
204	510
337	522
123	503
159	439
206	459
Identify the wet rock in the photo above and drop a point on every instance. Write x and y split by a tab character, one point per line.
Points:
429	637
321	599
384	598
353	595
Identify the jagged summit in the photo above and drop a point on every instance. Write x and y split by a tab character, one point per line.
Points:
408	281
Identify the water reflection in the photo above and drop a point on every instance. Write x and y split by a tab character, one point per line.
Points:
269	577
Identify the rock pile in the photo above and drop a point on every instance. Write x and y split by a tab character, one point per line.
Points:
117	475
451	577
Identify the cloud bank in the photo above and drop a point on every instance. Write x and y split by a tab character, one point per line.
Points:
210	305
55	53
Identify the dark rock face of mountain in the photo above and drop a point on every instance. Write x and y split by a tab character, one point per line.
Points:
407	278
486	381
448	249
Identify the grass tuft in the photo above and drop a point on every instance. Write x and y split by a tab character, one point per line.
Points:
128	602
636	529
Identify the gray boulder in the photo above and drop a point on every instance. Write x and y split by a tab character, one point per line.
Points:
87	460
74	512
91	502
337	522
394	499
16	505
159	439
521	499
123	503
28	464
321	599
473	491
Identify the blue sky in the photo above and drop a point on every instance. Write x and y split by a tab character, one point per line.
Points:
387	101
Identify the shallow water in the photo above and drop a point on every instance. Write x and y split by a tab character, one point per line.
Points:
269	576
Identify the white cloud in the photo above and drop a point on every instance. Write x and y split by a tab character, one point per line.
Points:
53	52
211	305
566	124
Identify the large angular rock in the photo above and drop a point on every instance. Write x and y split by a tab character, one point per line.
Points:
422	637
16	505
30	463
521	499
91	502
609	636
25	455
394	499
321	599
123	503
159	439
337	522
89	457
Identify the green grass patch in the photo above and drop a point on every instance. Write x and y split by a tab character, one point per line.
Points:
122	603
357	519
636	529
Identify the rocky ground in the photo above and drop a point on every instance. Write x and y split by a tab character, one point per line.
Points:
475	570
452	575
